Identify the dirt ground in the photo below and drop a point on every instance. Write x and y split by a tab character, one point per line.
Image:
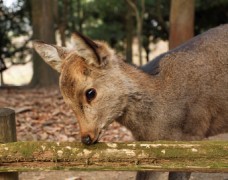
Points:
42	115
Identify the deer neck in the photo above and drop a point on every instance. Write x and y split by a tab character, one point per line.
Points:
140	110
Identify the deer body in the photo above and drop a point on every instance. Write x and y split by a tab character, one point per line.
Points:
188	99
182	96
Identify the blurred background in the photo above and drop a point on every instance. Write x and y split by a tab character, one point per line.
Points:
138	29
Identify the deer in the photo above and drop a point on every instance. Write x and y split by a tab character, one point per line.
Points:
182	95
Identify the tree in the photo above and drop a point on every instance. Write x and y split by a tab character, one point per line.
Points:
43	29
13	23
139	21
181	22
129	33
102	20
155	25
105	21
62	22
209	14
2	68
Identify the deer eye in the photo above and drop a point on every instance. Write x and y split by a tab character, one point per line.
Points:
90	94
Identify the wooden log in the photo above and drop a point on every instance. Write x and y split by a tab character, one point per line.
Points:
203	156
7	125
8	134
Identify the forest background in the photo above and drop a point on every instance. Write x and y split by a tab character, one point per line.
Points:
138	29
135	28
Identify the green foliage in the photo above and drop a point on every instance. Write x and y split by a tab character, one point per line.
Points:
14	22
156	21
209	14
106	20
100	19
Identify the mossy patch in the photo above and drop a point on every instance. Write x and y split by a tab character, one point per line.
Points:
209	156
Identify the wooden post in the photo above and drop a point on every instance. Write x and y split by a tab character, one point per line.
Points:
8	134
181	22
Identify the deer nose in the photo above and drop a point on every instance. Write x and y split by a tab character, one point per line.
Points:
87	140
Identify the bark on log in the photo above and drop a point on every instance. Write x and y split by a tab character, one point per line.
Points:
8	134
204	156
7	125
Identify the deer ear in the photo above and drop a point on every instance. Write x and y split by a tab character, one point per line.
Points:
86	48
51	54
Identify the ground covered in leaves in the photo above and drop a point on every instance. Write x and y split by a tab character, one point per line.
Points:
42	115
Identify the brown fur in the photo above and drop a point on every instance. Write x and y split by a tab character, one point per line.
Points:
186	98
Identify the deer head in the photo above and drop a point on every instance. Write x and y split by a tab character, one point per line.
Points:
90	82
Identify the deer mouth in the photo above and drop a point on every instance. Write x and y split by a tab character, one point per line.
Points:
101	133
98	138
88	139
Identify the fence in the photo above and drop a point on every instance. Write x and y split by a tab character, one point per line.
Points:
202	156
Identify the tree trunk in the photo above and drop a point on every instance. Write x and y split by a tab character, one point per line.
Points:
203	156
2	68
181	22
80	14
1	79
139	35
147	49
43	29
139	20
129	34
141	29
63	22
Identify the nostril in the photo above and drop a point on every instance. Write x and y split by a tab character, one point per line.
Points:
86	140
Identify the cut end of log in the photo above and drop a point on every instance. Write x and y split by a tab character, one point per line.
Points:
6	112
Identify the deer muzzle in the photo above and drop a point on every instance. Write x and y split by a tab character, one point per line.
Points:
89	137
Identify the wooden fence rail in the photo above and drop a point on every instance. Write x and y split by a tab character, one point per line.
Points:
202	156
